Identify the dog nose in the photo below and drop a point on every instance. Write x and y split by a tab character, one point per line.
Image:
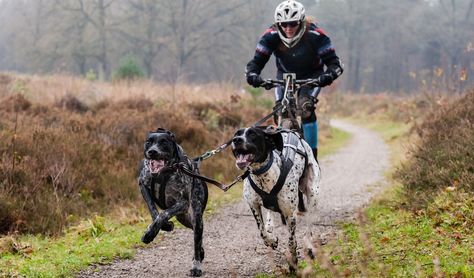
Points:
237	140
152	152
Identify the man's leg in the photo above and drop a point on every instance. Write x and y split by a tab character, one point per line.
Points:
310	130
309	120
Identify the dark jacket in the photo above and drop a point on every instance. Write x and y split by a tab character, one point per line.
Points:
307	58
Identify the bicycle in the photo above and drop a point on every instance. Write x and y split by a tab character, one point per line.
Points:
291	111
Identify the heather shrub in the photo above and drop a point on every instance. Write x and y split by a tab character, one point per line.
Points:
15	103
57	165
72	104
443	157
70	149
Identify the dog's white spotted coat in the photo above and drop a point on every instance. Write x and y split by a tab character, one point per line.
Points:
231	238
288	195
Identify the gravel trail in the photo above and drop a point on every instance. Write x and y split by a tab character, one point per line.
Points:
231	239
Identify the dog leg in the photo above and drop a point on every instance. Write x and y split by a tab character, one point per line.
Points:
145	190
197	206
291	221
312	194
198	230
301	206
154	228
167	226
269	241
269	222
309	187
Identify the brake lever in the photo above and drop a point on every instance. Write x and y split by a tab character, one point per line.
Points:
267	85
313	83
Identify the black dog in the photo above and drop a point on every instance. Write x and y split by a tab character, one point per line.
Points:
175	193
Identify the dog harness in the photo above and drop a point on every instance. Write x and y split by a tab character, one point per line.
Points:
163	179
290	148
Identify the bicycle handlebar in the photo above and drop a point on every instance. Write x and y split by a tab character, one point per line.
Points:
272	83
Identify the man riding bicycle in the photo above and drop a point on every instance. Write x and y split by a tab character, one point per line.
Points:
302	48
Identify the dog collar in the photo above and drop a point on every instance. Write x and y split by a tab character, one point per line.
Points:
265	168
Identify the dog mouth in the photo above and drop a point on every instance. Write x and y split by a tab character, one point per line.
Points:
156	165
243	160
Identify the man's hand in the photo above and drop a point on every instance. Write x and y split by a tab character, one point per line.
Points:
325	79
254	80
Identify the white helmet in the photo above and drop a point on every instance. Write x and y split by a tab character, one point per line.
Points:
287	11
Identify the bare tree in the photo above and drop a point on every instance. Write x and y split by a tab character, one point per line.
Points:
94	12
140	29
385	46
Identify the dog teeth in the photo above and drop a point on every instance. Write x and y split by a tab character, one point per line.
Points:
156	165
243	160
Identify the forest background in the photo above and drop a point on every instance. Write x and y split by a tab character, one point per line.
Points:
386	45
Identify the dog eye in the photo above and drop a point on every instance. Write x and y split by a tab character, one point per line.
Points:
251	133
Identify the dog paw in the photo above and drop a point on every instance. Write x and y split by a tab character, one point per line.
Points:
310	254
149	236
196	272
292	269
146	238
273	243
168	226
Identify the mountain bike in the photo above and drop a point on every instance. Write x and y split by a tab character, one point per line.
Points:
291	111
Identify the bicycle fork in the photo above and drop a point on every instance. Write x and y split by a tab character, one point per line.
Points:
289	98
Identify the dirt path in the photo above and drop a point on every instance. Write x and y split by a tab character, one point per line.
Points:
231	239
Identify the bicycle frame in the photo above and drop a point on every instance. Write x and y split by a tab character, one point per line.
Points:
290	104
291	112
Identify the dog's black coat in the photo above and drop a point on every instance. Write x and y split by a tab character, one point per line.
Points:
174	192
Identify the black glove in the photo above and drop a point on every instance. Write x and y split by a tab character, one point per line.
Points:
324	79
254	80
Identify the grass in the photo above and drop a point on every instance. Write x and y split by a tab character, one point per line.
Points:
100	240
338	139
392	242
389	239
96	240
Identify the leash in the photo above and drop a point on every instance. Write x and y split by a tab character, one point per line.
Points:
182	166
211	153
219	149
262	120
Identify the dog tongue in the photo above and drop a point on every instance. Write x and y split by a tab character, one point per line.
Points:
243	160
156	165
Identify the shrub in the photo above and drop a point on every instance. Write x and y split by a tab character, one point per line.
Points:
15	103
128	70
72	103
91	75
444	155
57	167
259	99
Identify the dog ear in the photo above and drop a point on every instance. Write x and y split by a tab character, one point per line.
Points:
162	130
274	135
171	134
277	141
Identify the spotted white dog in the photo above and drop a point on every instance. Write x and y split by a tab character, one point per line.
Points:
283	177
